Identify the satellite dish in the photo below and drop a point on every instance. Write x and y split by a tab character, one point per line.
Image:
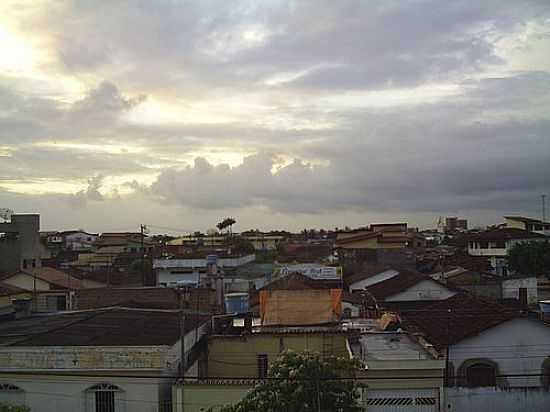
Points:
5	214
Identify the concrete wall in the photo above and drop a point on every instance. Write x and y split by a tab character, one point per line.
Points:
88	357
510	288
236	356
496	400
201	397
23	244
70	393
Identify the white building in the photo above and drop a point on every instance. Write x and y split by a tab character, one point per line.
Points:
498	358
495	244
391	285
79	240
104	360
528	224
178	271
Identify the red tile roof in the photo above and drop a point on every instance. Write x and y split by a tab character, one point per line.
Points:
454	319
54	277
357	238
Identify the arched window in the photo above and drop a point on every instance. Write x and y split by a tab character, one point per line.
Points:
347	313
105	398
11	394
481	374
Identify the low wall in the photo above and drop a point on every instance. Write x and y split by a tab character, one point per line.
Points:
497	400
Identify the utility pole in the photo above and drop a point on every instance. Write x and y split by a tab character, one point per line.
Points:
182	348
543	197
142	228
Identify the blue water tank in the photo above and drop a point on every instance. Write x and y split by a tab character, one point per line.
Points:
236	302
211	259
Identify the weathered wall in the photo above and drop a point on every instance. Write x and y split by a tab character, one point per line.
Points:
201	397
497	400
26	244
236	356
85	357
510	288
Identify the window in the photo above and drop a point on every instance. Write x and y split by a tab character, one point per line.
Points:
262	366
24	263
33	263
501	244
56	303
104	397
480	374
484	245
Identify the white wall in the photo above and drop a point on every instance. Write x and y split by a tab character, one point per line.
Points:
385	275
69	393
497	400
510	288
518	346
424	290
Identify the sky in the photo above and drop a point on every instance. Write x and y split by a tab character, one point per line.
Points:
282	114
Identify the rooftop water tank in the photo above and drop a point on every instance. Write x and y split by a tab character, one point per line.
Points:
236	302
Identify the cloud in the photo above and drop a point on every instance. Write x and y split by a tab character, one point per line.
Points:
303	109
440	156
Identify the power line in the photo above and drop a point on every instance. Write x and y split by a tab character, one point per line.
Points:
199	379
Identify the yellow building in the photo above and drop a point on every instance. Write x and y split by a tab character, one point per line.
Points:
246	356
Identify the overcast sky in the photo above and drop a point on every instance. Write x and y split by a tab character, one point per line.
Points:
283	114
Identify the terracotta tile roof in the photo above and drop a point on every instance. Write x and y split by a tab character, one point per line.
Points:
454	319
54	277
396	284
359	237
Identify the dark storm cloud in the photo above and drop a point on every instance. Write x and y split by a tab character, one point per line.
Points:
187	45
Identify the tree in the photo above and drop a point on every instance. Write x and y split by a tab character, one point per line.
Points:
305	382
530	258
240	245
228	222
